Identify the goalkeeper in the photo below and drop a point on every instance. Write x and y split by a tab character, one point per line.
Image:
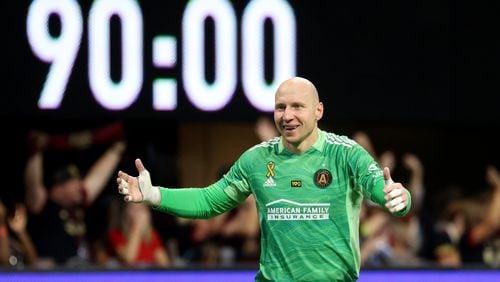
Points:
308	185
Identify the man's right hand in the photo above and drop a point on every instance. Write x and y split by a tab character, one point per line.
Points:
138	189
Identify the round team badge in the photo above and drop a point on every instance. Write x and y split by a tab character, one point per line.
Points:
322	178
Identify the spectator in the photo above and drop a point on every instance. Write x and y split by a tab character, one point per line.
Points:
468	225
4	236
58	226
16	246
136	242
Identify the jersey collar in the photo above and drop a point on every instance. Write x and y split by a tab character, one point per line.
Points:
318	145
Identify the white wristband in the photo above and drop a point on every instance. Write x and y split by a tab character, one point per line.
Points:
150	194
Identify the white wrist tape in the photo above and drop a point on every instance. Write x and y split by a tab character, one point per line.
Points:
151	194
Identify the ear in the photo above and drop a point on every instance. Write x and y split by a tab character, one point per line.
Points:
319	111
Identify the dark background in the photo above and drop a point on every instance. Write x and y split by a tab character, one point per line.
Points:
418	76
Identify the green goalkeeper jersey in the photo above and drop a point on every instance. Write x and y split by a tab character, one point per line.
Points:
308	205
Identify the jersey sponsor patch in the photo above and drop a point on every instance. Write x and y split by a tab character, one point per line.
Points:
286	210
322	178
296	183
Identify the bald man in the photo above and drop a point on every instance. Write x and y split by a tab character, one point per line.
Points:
308	185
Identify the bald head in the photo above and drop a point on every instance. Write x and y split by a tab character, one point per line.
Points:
296	113
299	85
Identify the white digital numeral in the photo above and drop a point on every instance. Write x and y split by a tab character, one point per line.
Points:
60	51
258	91
209	96
115	95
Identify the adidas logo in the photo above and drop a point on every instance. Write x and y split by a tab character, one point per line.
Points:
269	182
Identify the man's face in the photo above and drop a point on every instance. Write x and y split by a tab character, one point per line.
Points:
73	191
297	111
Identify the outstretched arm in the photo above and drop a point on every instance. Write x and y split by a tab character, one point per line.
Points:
187	202
416	183
36	193
491	221
102	170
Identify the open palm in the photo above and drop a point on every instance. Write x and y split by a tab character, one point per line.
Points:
128	185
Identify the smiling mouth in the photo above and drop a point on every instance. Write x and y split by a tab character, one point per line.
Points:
289	128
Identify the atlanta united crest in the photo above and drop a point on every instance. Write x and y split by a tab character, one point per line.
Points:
322	178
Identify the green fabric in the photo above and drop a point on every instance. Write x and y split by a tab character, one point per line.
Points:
308	205
196	202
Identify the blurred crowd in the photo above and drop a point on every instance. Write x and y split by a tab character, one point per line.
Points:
70	215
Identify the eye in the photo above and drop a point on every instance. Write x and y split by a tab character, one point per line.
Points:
279	107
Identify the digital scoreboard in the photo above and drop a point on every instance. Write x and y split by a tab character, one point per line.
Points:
203	59
234	37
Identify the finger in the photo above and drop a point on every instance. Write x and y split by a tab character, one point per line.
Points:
127	198
139	165
123	175
123	187
387	176
399	207
123	191
394	202
394	193
124	184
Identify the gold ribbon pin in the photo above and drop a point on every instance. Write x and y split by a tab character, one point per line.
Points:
270	169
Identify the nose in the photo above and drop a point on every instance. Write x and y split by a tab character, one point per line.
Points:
287	114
